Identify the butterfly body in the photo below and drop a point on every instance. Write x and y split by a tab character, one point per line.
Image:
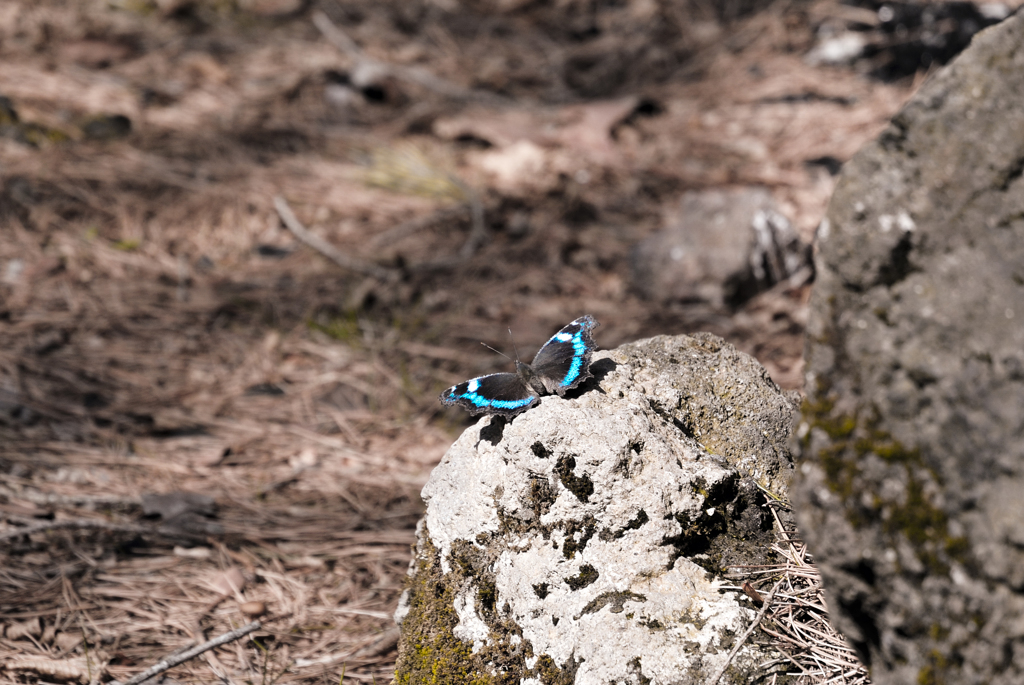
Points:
560	365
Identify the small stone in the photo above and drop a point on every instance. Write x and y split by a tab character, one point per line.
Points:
65	642
253	609
33	627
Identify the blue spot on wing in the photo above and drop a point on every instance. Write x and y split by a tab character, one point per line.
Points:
503	393
579	352
565	357
500	404
481	401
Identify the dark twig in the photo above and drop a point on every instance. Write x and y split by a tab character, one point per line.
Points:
417	75
477	237
739	643
72	523
325	248
172	661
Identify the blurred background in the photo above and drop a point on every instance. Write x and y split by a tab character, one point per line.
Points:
244	244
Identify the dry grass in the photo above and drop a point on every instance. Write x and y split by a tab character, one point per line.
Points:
129	377
316	526
796	621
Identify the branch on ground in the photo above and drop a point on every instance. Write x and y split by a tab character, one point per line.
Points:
172	661
325	248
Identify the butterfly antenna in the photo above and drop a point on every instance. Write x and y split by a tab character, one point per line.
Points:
494	350
513	343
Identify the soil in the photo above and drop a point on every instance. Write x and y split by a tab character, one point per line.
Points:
163	332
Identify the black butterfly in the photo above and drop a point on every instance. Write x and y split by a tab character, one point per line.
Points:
561	365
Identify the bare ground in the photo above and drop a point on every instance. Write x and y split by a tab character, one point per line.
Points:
162	332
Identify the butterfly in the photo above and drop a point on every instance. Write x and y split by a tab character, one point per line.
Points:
561	365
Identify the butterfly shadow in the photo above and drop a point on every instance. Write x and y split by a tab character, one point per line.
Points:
598	370
494	430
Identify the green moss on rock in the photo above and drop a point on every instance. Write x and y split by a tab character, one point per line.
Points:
585	529
550	674
430	654
614	599
581	486
587	576
911	515
935	671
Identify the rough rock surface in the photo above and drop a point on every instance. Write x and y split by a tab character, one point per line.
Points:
911	485
583	542
721	248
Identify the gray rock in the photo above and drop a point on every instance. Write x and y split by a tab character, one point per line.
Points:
583	542
722	248
911	483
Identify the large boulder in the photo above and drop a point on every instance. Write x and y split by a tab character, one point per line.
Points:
911	479
583	542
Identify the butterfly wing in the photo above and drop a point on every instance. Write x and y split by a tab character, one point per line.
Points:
499	393
564	361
